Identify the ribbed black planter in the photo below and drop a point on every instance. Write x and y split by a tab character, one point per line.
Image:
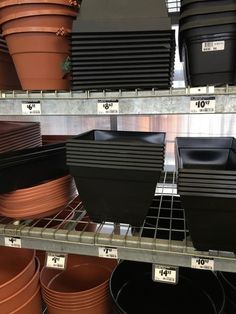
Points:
207	187
116	173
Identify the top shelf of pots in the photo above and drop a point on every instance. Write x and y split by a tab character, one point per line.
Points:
207	185
116	172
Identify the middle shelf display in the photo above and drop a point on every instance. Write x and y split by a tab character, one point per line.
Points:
164	234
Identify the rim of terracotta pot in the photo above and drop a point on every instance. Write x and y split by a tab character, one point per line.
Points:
77	299
37	13
7	3
36	294
85	309
79	304
32	284
53	284
27	271
22	30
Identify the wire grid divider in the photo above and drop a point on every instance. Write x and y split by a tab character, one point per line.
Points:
163	236
173	5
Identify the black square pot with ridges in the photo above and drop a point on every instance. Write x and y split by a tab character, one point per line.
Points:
120	188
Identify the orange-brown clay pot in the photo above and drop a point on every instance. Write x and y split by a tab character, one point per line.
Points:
8	76
36	34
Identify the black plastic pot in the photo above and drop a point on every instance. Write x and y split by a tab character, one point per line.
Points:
134	291
228	281
119	183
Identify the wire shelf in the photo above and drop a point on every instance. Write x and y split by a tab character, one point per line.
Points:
173	5
163	237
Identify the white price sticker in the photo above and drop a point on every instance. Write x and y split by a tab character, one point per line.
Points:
31	108
107	252
203	105
55	260
203	263
108	107
12	242
213	46
166	274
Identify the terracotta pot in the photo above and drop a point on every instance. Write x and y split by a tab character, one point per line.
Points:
47	274
77	305
86	278
36	37
102	308
17	268
32	306
8	76
22	295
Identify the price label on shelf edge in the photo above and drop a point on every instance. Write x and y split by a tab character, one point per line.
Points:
108	107
165	274
202	105
203	263
108	252
31	107
12	242
56	260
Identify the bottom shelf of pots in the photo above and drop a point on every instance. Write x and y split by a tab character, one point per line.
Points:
163	238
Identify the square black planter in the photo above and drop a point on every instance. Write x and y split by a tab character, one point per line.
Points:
119	183
207	185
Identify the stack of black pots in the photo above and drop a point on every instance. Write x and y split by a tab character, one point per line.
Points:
207	41
116	173
122	45
207	188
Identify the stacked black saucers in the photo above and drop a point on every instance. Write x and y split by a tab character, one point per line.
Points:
116	172
122	45
29	167
207	188
207	41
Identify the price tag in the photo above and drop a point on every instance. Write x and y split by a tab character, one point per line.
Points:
166	274
108	107
31	107
56	260
203	105
203	263
108	252
213	46
12	242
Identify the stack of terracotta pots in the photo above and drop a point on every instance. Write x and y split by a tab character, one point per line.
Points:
8	76
80	289
40	200
36	34
19	282
16	135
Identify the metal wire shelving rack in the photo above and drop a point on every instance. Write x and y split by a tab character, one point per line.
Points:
163	238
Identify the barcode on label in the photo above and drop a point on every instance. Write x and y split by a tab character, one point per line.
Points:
213	46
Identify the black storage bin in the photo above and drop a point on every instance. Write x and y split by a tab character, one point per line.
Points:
133	291
28	167
119	183
207	185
